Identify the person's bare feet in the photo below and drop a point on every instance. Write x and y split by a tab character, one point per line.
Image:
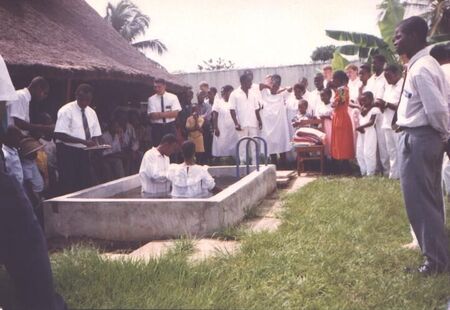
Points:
411	246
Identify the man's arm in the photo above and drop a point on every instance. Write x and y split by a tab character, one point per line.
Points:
236	123
258	117
21	124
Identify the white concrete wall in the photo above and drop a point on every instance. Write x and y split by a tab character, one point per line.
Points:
289	74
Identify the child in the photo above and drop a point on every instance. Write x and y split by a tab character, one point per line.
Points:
194	125
366	145
302	114
325	112
10	147
188	179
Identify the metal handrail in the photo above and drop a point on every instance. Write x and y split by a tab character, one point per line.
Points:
247	158
265	148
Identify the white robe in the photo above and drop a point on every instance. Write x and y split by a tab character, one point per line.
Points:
190	181
225	143
366	145
291	112
275	123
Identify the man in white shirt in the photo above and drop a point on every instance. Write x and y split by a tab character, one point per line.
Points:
423	119
155	166
378	84
327	72
77	127
244	109
313	97
392	93
163	108
18	110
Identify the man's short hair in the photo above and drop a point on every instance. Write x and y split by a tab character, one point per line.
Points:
84	89
395	69
415	25
441	52
379	57
203	83
365	67
188	149
368	94
243	78
300	87
327	67
351	67
169	138
39	82
276	78
227	88
160	81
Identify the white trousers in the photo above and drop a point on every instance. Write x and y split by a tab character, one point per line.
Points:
247	132
366	151
391	138
382	147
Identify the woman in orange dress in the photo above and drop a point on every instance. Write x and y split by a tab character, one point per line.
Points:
342	146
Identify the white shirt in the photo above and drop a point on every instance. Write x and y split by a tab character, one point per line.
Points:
363	120
19	108
353	87
314	102
392	95
377	85
7	91
245	107
424	98
113	141
190	181
153	174
446	69
171	103
70	122
31	174
12	163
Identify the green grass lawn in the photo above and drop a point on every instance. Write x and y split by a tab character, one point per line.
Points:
339	247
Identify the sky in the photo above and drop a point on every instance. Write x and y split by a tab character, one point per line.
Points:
251	33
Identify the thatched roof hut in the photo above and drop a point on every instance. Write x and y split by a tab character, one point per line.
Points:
67	39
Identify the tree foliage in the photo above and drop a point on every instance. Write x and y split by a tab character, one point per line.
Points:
127	19
323	53
215	64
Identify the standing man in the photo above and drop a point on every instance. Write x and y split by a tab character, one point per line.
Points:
19	110
327	72
76	128
244	109
423	118
313	97
163	108
392	93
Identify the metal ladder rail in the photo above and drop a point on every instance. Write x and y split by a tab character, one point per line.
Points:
265	148
247	157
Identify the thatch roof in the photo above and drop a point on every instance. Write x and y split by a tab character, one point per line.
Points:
68	39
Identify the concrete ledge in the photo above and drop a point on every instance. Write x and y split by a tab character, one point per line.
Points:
91	213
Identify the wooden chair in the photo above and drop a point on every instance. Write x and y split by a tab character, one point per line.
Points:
311	150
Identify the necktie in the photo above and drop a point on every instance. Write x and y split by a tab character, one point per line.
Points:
85	125
394	119
162	108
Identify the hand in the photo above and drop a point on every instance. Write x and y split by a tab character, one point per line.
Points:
90	143
217	132
361	130
260	125
238	127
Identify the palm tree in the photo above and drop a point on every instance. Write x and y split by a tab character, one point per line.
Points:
130	22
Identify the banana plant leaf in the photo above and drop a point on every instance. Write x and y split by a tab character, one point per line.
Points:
352	49
392	12
361	39
339	62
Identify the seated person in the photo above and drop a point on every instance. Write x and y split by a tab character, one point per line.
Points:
154	168
112	161
188	179
302	114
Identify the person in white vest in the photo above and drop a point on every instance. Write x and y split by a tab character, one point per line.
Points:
392	93
378	84
244	110
275	123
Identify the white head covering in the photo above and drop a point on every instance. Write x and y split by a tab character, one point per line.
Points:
7	91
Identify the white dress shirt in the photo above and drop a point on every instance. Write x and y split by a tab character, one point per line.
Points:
153	174
12	163
377	85
245	107
424	98
19	108
353	88
190	181
31	174
170	101
70	122
7	91
392	95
